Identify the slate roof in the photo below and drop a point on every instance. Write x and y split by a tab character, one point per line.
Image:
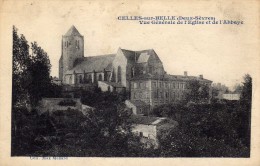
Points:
134	56
168	77
143	57
89	64
130	55
73	31
185	78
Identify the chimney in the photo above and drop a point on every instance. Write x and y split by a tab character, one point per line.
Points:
201	76
185	73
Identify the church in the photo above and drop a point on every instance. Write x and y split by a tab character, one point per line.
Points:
139	72
118	68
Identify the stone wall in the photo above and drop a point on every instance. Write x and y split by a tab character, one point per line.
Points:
52	104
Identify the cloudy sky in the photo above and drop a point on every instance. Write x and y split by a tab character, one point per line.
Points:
222	53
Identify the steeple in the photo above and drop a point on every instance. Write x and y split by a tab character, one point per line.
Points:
73	31
72	49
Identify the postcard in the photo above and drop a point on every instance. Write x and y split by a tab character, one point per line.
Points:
129	82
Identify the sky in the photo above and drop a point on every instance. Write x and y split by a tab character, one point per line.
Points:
222	53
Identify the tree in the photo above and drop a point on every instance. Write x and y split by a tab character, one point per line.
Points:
31	73
238	88
21	59
196	92
39	69
244	112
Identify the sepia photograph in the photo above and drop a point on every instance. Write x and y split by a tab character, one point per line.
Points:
150	79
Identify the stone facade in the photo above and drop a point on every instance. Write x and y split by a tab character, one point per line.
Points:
138	107
156	90
149	128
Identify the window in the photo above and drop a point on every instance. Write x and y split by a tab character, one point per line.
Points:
173	95
70	80
154	84
135	85
160	84
166	94
166	85
119	74
80	79
132	72
145	85
89	78
135	95
140	85
77	44
161	95
141	134
155	95
99	77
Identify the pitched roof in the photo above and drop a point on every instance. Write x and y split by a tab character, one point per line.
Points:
168	77
185	78
143	57
133	56
93	63
73	31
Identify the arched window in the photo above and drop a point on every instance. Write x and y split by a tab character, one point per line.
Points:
70	80
77	44
80	79
119	74
132	72
89	78
100	77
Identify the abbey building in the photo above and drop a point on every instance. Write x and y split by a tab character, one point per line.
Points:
139	72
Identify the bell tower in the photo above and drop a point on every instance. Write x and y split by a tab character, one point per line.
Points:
72	47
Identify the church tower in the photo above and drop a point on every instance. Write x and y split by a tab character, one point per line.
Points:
72	47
